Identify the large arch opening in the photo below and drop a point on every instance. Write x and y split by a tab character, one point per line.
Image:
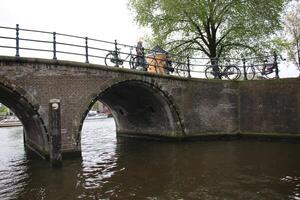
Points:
140	110
34	131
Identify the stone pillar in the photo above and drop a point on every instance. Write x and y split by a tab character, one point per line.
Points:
55	133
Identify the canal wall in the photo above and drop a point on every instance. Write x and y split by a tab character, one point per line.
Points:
258	108
270	107
210	108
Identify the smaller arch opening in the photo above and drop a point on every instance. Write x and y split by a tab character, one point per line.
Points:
34	131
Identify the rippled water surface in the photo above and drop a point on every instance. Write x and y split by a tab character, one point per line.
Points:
134	169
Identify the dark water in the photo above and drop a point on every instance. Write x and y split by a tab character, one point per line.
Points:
133	169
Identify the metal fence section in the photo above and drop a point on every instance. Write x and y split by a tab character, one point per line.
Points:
53	45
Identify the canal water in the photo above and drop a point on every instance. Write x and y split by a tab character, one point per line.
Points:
113	168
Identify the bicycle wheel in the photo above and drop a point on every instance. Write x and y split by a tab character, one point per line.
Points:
181	71
111	60
232	72
267	73
139	63
250	72
136	62
210	73
270	75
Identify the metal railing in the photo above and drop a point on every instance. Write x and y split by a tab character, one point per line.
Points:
70	47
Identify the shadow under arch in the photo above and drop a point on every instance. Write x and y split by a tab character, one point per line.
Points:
35	133
140	109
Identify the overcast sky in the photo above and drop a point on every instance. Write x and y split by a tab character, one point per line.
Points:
99	19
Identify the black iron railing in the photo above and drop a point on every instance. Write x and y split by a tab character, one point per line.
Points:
71	47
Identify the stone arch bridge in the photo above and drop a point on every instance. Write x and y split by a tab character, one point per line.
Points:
143	104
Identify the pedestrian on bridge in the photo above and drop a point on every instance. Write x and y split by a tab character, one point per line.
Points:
140	56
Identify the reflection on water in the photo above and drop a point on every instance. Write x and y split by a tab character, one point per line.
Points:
98	152
134	169
13	163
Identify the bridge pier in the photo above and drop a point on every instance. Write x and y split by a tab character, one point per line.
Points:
55	133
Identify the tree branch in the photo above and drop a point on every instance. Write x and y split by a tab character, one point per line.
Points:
202	37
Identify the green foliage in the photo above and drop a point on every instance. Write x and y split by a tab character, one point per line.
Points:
291	36
3	109
214	27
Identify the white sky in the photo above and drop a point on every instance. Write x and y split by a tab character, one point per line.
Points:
99	19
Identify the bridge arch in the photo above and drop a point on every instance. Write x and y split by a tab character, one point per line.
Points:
140	109
35	133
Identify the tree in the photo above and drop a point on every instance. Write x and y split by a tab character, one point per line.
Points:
292	28
213	27
3	109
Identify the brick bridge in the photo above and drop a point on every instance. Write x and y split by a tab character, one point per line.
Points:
143	104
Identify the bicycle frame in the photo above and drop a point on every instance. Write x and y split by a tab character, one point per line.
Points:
115	59
128	55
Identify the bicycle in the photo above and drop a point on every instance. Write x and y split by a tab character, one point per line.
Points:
179	68
268	70
231	72
113	58
135	61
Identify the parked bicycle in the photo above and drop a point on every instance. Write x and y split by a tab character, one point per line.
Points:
113	58
266	70
178	68
135	61
229	71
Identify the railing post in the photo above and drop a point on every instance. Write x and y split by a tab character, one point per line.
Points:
189	65
276	65
17	41
244	67
116	54
86	50
54	46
